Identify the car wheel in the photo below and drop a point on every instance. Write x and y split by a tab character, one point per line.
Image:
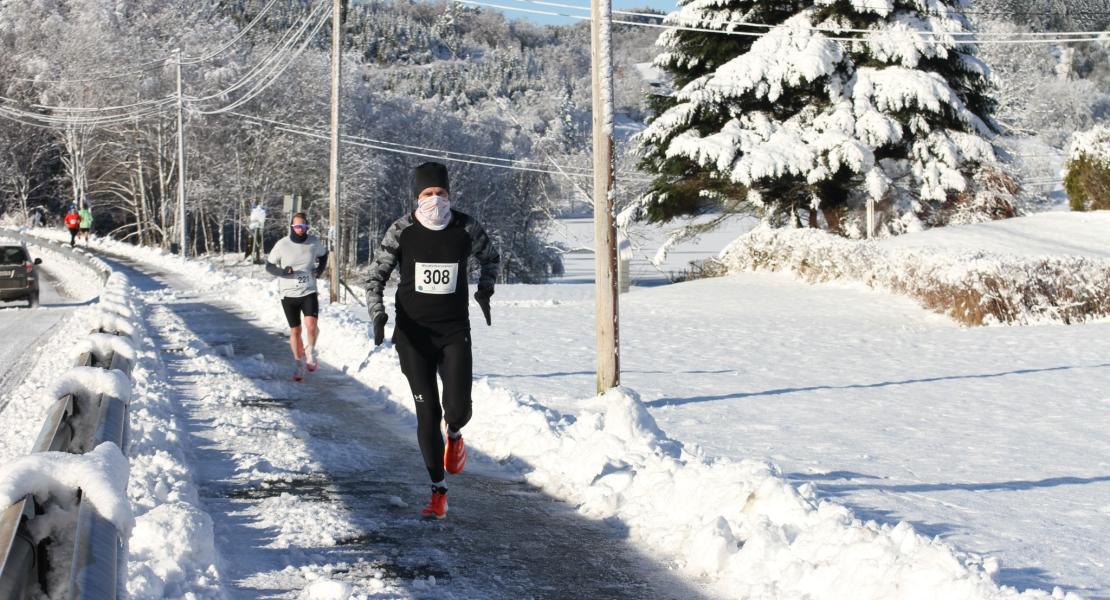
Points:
33	300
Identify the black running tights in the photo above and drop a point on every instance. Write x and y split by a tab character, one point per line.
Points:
423	354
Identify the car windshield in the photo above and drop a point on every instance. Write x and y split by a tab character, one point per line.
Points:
12	255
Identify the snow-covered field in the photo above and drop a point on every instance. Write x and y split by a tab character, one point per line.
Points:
646	240
1049	233
987	438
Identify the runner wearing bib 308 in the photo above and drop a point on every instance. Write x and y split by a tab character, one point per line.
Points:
298	260
432	247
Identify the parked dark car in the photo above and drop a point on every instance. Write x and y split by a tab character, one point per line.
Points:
19	279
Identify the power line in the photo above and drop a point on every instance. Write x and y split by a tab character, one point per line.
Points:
1066	11
272	64
152	65
257	19
354	140
385	147
289	39
269	69
437	151
55	122
79	109
145	105
762	34
829	29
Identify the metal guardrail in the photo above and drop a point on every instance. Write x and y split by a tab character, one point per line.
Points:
98	551
20	558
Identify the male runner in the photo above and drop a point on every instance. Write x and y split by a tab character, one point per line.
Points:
432	247
298	259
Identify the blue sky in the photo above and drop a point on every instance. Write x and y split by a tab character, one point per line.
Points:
663	5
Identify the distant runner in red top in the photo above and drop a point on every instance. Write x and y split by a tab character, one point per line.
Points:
73	224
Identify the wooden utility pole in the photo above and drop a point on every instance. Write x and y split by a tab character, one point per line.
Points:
334	247
182	229
605	230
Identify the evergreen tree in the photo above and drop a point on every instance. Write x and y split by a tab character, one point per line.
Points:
831	102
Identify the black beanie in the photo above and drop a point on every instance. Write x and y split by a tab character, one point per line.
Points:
429	174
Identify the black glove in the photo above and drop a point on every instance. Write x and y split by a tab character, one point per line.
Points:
482	296
379	329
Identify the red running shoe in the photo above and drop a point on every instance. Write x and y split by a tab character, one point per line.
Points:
454	456
310	359
437	506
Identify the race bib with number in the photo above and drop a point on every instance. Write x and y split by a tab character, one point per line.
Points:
436	278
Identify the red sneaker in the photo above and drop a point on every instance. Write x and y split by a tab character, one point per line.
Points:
437	506
454	456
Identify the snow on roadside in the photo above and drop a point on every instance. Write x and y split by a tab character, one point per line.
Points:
171	548
171	552
739	524
100	474
266	449
22	410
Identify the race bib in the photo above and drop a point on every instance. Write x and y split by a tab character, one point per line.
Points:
436	278
302	278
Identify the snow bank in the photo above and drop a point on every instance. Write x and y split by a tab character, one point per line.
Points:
738	523
102	345
327	589
100	474
172	551
974	288
88	383
167	544
103	320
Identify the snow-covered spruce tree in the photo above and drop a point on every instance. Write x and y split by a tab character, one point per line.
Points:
832	102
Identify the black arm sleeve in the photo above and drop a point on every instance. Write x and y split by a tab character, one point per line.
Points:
321	264
275	270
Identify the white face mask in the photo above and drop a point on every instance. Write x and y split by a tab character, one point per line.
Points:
434	212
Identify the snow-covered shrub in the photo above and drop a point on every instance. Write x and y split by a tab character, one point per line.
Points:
992	195
974	288
1088	170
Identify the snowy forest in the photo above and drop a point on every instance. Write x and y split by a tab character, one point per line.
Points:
798	124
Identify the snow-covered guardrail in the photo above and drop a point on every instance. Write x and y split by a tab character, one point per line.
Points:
65	511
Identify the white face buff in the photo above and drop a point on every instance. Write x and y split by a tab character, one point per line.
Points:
434	212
